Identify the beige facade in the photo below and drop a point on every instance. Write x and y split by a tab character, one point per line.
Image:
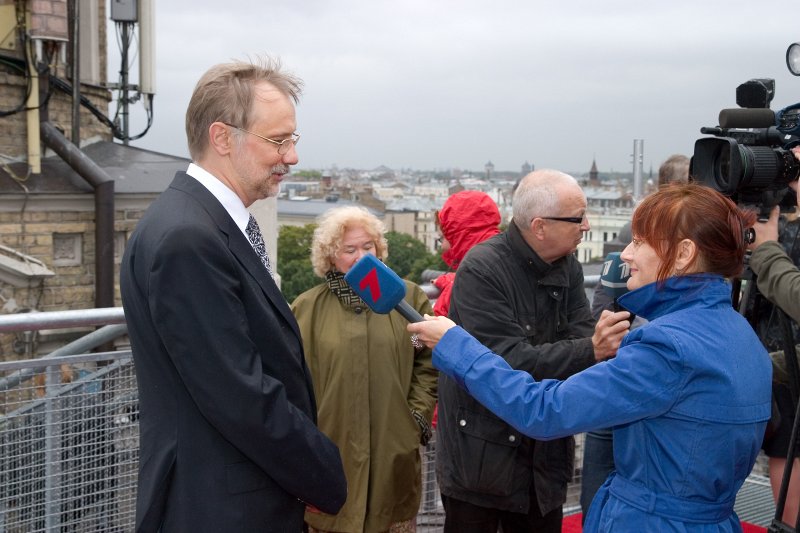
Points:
419	224
401	222
47	213
59	231
605	228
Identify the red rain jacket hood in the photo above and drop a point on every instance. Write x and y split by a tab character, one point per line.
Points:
467	218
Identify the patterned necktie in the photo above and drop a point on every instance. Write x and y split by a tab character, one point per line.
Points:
257	241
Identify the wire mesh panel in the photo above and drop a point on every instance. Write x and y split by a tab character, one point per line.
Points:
69	450
69	437
431	513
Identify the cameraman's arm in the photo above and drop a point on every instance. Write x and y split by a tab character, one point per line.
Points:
778	278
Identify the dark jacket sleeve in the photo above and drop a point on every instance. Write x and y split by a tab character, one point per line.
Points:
551	343
778	277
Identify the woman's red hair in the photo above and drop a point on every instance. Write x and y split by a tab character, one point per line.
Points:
691	211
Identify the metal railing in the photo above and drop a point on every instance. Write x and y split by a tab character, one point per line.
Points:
69	433
69	437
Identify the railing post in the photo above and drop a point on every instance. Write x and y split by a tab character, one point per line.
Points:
52	461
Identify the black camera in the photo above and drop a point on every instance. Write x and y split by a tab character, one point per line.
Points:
749	159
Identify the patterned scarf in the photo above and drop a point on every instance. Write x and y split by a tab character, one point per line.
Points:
343	291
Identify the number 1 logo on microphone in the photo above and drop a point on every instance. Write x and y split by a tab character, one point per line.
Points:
376	284
370	280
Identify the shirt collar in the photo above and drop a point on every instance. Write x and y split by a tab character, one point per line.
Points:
229	200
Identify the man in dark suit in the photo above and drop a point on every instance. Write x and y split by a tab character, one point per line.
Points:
227	411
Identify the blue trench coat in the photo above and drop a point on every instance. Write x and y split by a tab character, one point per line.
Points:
688	396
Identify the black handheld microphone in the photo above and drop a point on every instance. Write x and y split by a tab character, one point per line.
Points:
614	279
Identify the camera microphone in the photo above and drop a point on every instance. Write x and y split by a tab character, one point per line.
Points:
747	118
614	279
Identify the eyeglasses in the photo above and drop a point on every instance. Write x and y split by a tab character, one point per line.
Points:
283	146
574	220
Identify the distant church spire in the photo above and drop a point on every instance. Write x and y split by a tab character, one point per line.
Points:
594	179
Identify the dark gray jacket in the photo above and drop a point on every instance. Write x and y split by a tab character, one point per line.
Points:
536	315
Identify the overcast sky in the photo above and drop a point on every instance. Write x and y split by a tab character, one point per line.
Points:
436	84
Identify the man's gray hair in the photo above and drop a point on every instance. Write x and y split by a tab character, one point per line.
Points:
225	93
537	196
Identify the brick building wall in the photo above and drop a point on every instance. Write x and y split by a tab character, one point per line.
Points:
60	114
60	233
49	19
49	22
55	228
13	129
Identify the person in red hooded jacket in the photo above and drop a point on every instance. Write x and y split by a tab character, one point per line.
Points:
467	218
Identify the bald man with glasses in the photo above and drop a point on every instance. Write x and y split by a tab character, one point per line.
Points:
521	294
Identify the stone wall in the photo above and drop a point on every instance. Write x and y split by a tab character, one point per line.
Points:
61	235
57	229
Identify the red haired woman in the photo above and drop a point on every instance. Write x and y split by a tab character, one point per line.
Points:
688	394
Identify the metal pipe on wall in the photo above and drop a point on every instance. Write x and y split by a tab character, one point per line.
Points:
104	209
32	113
76	74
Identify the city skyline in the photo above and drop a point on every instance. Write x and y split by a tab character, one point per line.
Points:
449	84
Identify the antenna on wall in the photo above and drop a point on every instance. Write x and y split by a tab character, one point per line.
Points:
126	14
147	48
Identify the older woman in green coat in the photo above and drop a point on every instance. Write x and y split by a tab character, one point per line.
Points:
375	390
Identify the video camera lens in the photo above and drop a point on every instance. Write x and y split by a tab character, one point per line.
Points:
743	172
729	167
